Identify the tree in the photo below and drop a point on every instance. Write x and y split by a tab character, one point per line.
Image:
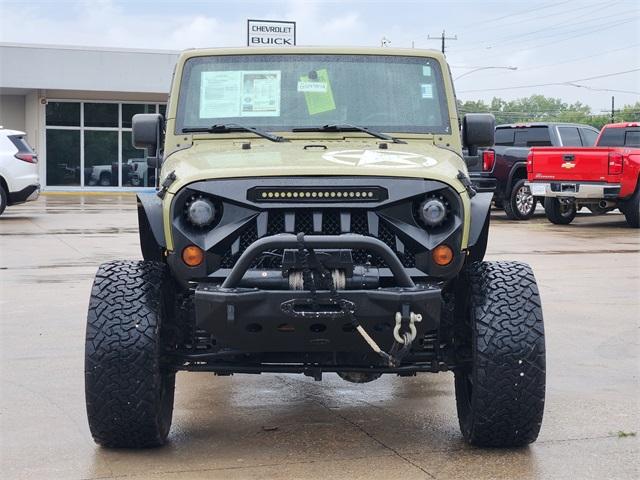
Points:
538	108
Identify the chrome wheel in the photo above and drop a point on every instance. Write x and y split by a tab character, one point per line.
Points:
524	200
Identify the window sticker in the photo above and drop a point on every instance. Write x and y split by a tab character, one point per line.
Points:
317	101
427	90
314	87
240	94
426	70
260	94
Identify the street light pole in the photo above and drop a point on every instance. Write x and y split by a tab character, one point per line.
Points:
484	68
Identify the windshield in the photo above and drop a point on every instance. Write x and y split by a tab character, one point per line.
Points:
282	92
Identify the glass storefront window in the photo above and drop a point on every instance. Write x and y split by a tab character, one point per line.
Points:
63	157
100	158
63	114
99	163
101	115
135	172
163	111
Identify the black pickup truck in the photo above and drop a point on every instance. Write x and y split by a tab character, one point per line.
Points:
504	165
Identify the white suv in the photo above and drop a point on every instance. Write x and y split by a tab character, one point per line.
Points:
19	181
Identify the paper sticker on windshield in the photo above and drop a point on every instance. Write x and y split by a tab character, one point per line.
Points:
426	70
318	101
240	94
427	90
314	87
260	94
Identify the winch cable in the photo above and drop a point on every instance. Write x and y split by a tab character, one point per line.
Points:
310	262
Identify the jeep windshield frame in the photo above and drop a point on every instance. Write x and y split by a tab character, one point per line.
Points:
287	92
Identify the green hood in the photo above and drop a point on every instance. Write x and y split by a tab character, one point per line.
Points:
215	159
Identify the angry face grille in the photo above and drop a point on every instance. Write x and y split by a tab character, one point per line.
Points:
334	222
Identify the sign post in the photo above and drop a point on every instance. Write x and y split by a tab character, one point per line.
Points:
270	33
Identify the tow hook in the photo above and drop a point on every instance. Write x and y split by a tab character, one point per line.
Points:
413	332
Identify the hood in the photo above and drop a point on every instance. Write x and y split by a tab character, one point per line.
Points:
216	159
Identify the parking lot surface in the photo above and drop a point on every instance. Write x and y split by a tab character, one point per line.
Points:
288	426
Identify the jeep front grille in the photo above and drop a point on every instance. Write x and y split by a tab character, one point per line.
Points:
333	222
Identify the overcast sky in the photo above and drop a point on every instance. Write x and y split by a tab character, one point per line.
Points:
549	41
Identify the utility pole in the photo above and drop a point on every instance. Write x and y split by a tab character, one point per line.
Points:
613	109
442	37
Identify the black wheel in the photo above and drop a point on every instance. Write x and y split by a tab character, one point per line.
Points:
4	198
129	396
558	212
521	204
631	209
500	387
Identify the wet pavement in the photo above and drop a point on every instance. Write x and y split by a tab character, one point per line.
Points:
288	426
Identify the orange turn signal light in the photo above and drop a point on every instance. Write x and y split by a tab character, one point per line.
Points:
192	255
442	255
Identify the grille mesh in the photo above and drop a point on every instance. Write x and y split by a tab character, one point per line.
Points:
330	226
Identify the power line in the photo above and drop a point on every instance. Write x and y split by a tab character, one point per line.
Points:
522	12
566	83
598	7
589	32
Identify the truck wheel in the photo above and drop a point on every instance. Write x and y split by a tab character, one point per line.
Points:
500	389
3	199
632	210
559	213
520	205
129	395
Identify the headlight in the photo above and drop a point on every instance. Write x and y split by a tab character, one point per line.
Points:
200	211
433	211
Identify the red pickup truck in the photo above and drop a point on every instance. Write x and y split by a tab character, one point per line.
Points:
601	178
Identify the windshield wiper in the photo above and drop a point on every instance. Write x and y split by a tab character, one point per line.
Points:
235	127
347	127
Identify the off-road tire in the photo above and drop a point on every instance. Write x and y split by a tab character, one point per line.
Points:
4	198
558	213
500	392
632	209
520	206
129	395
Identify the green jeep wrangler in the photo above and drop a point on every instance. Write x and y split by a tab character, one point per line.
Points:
313	214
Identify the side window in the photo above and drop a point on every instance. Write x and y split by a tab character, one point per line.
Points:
588	137
570	136
538	137
632	138
504	136
612	137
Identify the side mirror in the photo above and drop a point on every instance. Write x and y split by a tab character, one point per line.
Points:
478	130
146	132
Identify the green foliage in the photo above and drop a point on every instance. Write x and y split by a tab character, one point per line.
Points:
538	108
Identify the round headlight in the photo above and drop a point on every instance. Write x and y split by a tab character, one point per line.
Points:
201	212
433	211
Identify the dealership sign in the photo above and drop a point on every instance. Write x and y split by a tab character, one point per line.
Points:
270	33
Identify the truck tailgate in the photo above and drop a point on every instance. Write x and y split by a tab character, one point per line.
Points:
587	164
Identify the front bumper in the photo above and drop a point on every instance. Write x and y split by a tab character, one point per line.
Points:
298	321
253	320
577	190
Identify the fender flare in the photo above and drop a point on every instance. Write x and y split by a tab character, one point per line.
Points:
151	226
480	210
512	173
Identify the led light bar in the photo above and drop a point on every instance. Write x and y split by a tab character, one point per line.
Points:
317	195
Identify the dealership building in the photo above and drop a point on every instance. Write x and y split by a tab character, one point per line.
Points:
75	105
